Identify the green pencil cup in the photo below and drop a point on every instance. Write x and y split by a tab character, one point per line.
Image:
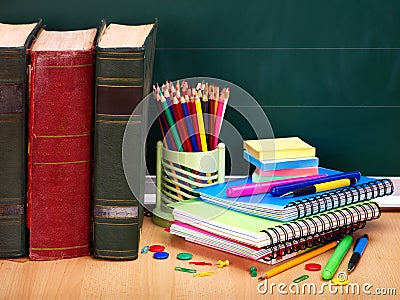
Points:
178	174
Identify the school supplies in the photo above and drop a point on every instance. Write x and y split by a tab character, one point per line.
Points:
179	173
283	189
258	232
279	164
271	254
337	257
222	264
359	248
288	172
301	278
263	187
279	148
200	263
195	119
321	187
298	260
285	209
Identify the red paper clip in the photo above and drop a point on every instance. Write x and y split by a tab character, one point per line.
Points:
200	263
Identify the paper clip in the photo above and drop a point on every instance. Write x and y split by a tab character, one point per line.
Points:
301	278
185	270
204	274
200	263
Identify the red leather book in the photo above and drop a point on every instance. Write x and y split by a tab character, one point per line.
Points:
60	137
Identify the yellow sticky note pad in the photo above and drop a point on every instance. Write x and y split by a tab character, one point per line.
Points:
279	148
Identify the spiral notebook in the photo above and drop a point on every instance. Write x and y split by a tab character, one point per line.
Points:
290	208
271	255
259	232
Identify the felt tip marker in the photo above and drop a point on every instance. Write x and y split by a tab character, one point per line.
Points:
359	248
321	187
337	257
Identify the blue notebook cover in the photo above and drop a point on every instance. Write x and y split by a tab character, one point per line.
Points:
290	208
270	165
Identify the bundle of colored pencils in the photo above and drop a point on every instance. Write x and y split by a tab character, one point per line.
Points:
190	117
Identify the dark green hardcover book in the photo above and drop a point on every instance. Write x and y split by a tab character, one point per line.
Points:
15	40
124	66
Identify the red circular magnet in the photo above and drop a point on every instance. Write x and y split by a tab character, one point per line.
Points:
313	267
156	248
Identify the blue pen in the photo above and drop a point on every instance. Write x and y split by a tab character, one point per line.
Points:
359	248
277	191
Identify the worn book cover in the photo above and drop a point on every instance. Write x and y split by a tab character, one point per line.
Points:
60	141
124	66
15	40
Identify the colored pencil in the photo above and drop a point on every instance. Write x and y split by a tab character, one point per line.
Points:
189	99
171	124
219	115
298	260
200	121
211	117
189	125
204	108
180	124
190	118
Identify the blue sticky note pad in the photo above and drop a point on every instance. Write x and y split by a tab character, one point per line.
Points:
271	165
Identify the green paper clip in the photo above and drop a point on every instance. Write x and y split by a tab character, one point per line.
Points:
185	270
301	278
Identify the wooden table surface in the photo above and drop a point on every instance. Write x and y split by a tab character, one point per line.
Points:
147	278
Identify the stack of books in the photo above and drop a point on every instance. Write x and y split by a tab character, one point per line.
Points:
66	99
281	158
267	228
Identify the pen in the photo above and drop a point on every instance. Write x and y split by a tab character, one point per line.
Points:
321	187
264	187
359	248
333	263
283	189
298	260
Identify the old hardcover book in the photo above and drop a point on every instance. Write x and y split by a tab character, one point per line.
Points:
60	139
124	66
15	40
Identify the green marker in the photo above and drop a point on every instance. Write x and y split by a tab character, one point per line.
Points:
337	257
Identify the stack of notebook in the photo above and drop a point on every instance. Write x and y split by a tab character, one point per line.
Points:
266	228
280	158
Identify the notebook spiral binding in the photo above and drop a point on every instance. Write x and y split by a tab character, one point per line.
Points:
309	239
341	197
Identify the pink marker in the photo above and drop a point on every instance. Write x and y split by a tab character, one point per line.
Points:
264	187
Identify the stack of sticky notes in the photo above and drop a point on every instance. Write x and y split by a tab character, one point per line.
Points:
280	158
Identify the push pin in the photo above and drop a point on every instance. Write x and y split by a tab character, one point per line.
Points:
145	249
253	271
222	264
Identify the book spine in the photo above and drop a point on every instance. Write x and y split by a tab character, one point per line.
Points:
13	78
123	78
341	197
59	156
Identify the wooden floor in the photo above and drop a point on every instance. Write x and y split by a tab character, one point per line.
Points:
147	278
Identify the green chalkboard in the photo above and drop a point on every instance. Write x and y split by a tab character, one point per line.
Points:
327	71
